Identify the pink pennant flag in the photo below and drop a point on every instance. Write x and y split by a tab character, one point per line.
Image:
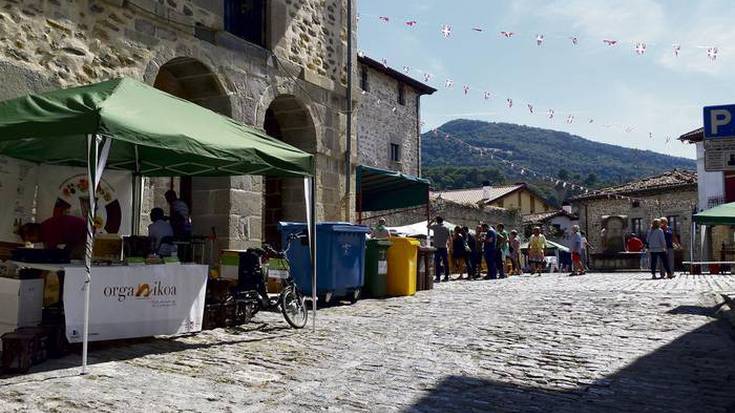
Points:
411	23
550	113
676	48
406	69
360	53
384	18
570	119
574	40
487	95
427	77
530	107
712	53
507	34
539	39
466	89
449	83
510	102
446	30
610	42
640	48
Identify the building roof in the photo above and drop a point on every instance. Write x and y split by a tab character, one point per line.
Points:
673	179
697	135
476	195
422	88
544	216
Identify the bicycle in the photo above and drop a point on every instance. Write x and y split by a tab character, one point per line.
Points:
251	294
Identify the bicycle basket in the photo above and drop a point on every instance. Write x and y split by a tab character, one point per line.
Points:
277	268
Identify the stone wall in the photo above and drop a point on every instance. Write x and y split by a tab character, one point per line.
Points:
378	126
46	44
676	203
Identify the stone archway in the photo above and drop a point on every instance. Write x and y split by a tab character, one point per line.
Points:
190	79
289	120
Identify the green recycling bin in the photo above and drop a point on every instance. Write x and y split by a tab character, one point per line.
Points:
376	267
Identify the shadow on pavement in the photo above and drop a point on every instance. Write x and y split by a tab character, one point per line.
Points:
120	350
694	373
695	310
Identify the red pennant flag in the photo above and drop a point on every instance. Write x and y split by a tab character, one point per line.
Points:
411	23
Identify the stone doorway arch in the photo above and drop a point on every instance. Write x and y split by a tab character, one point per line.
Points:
190	79
289	120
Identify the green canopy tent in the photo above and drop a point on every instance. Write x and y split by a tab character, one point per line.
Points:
720	215
381	189
124	124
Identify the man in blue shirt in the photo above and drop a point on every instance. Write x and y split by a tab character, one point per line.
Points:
489	242
670	245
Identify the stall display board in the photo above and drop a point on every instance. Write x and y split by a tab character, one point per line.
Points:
17	190
135	301
67	187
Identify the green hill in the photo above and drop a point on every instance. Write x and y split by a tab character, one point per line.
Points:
450	164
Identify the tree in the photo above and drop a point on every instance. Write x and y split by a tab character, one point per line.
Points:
563	174
591	179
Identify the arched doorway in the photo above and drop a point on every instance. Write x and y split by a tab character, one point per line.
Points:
192	80
290	121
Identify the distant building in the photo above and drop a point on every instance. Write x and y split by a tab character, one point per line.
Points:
629	208
517	197
389	118
557	225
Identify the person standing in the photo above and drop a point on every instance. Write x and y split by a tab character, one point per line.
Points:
441	256
536	251
472	255
657	248
671	245
586	247
489	242
459	250
515	252
502	248
380	230
577	245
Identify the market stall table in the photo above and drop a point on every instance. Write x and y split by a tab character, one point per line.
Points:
132	301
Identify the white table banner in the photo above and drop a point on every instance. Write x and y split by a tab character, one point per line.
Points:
136	301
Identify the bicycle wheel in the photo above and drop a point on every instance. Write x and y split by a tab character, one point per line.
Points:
293	308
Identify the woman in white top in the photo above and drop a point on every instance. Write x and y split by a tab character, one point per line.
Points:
656	241
161	234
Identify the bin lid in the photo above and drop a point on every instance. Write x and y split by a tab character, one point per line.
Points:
325	226
401	240
383	242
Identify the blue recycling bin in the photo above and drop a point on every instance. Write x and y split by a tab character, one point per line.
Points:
340	258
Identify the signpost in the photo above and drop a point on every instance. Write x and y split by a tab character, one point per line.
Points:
719	138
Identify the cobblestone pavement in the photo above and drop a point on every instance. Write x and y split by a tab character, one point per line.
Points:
600	342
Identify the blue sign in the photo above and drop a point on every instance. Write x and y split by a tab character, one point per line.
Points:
719	121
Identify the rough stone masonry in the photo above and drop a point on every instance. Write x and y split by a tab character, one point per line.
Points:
293	85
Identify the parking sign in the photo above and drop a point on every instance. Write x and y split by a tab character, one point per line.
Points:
719	122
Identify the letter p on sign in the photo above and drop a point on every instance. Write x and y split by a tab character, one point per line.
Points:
718	121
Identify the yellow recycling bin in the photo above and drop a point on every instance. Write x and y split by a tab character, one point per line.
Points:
402	257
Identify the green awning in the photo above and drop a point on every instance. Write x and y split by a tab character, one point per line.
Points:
162	134
381	190
719	215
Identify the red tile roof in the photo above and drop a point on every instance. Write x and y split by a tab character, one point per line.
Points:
697	135
668	180
476	196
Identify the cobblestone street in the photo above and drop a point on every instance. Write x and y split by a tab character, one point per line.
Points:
601	342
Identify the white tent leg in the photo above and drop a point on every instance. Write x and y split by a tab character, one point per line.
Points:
310	198
98	148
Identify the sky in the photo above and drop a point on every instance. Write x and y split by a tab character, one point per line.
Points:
636	101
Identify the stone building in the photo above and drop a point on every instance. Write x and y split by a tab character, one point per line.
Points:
279	65
517	197
389	118
629	208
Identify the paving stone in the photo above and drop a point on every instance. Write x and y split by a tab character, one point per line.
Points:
602	342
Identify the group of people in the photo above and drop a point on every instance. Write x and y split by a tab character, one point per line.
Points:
660	243
493	244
